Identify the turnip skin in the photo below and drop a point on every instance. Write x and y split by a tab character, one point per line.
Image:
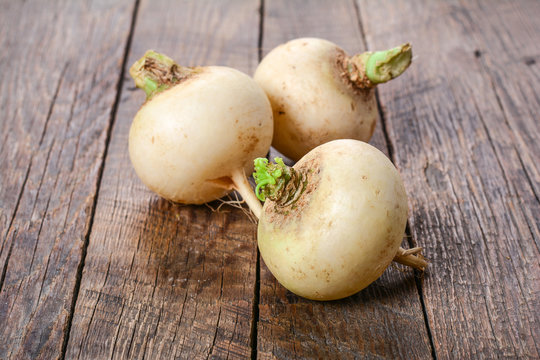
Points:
332	109
344	230
319	94
193	142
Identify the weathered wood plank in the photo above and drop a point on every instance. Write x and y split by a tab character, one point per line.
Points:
465	129
510	43
163	280
60	65
383	321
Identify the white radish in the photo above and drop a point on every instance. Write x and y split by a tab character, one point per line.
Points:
333	223
319	93
199	130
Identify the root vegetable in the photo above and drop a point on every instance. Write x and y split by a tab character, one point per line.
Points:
199	130
334	222
319	94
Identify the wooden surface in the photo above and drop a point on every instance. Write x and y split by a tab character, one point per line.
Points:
95	266
165	281
372	322
57	101
473	190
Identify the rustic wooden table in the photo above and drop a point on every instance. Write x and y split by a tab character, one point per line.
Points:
93	265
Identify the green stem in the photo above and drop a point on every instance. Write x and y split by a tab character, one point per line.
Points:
368	69
156	72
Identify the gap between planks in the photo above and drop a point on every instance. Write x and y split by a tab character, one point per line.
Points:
113	114
257	288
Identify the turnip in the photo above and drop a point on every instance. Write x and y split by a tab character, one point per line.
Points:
333	223
199	130
319	93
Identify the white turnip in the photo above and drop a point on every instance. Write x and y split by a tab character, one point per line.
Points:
319	93
199	130
333	223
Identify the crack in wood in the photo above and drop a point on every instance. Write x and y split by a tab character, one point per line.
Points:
6	263
155	330
16	297
15	210
119	326
42	282
71	112
210	351
179	320
53	102
38	192
133	332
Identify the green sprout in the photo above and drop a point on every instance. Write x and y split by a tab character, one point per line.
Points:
270	178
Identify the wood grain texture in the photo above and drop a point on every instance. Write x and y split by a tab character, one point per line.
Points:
60	65
464	128
383	321
169	281
166	281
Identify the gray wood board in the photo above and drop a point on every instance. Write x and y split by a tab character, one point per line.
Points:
60	67
384	320
163	280
462	127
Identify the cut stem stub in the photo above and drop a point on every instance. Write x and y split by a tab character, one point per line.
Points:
368	69
155	72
